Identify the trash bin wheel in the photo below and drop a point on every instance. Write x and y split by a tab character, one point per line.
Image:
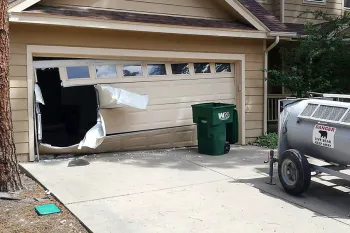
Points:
294	172
227	148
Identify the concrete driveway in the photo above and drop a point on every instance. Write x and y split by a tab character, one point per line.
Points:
181	191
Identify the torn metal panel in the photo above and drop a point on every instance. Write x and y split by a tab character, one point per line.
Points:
38	95
39	99
95	136
48	149
111	97
38	122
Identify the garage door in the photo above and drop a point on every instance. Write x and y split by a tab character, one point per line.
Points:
172	88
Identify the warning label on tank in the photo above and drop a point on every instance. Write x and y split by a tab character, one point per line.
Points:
324	136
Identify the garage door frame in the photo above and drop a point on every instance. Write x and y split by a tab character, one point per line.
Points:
106	53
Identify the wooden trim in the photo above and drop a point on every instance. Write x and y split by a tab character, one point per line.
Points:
23	5
241	98
243	102
40	50
30	81
62	65
314	2
130	26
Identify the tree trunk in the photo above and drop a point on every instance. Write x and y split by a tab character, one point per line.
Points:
9	172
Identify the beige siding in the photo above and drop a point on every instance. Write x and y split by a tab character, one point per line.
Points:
19	101
19	104
267	4
293	9
271	5
64	36
22	157
21	137
277	8
189	8
19	115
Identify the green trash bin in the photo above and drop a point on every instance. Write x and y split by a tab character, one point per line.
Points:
217	127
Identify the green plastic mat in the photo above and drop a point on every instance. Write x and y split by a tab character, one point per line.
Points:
47	209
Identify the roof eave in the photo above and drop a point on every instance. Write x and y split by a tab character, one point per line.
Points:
248	15
45	19
239	7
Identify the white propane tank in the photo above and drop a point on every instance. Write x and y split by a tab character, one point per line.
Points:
318	128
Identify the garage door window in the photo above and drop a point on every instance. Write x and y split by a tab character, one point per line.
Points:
156	69
78	72
223	67
106	71
202	68
181	68
132	70
90	72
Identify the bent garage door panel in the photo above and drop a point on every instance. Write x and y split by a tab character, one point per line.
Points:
169	103
122	120
183	91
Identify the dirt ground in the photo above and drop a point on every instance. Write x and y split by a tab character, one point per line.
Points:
19	216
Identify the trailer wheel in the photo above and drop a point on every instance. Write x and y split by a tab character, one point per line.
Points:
294	172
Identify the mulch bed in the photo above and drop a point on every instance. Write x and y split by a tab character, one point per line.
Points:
19	216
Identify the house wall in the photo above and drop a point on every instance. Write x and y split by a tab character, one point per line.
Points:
23	35
271	5
293	9
267	4
19	101
192	8
277	8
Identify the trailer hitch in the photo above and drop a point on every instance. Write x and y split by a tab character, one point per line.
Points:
271	160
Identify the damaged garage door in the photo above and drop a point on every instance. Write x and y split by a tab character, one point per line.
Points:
141	104
110	98
69	118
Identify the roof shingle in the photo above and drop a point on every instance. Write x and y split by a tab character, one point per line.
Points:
295	27
267	18
136	17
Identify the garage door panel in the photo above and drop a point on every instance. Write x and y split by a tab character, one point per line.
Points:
183	91
126	119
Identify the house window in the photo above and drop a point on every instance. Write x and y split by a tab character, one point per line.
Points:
156	69
223	67
315	1
201	68
132	70
106	71
181	68
77	72
347	3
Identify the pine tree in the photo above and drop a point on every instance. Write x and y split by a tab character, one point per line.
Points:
9	172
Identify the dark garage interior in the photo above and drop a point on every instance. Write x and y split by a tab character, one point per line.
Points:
69	112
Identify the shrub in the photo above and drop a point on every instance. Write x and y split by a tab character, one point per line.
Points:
269	140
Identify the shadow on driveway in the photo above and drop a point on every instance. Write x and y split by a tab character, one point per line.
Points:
331	199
